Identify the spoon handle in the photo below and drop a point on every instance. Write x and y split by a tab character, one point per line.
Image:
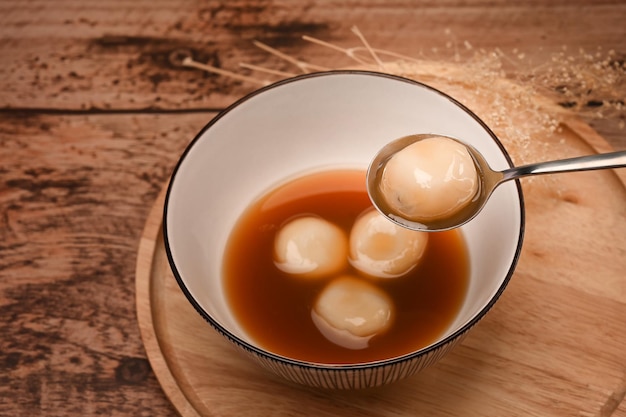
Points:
581	163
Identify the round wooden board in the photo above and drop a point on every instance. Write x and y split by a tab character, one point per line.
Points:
554	344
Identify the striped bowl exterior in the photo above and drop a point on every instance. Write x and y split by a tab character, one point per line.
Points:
349	376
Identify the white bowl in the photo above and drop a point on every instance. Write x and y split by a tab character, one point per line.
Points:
325	120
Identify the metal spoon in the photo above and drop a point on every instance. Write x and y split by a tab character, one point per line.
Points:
488	180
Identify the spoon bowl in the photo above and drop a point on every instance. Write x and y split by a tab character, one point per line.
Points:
488	180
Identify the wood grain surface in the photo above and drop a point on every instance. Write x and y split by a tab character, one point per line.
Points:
95	109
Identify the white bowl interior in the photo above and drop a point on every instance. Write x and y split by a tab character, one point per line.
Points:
336	119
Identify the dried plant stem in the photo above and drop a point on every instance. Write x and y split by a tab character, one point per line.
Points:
189	62
358	33
305	67
353	52
266	70
540	98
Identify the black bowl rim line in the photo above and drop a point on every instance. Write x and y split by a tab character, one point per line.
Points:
357	366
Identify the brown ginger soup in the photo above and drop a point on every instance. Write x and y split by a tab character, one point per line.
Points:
274	308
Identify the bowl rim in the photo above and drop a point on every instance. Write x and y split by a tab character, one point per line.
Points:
360	365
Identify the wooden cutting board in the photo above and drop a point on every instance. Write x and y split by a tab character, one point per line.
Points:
554	344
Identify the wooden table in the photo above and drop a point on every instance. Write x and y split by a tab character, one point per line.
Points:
95	109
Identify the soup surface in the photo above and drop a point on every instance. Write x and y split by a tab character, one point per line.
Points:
274	307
